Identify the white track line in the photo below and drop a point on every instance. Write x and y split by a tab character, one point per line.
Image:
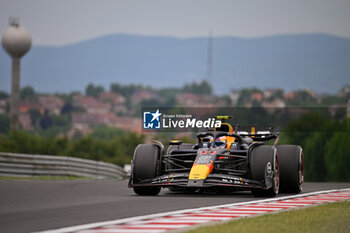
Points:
273	202
122	231
264	209
222	214
177	220
151	226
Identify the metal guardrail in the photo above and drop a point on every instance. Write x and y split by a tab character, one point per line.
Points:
26	165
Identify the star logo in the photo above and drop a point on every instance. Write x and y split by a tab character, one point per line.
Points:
151	120
156	115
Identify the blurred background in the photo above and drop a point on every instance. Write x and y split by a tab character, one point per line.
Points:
93	65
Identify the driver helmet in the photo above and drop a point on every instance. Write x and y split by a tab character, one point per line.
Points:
221	142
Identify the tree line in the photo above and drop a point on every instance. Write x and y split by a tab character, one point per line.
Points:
103	144
326	146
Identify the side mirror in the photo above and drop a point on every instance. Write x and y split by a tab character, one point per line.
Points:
206	139
206	142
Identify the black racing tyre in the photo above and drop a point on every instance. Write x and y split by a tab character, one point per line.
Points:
291	161
260	156
147	191
183	146
145	166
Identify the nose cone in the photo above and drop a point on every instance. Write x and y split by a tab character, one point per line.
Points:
16	40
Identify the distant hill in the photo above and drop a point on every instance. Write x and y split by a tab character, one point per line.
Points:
317	61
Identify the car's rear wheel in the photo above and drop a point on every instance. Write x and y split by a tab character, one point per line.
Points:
145	166
264	158
291	160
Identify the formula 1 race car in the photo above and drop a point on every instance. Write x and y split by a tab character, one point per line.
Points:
222	159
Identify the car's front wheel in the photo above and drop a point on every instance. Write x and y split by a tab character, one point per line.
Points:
145	166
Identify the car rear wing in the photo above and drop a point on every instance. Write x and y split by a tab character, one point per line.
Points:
259	133
257	130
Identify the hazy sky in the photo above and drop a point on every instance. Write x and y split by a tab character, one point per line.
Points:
59	22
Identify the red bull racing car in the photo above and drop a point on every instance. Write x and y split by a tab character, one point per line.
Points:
222	159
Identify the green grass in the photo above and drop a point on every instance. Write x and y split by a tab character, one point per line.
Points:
42	178
334	217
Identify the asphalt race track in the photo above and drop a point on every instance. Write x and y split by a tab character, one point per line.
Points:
34	205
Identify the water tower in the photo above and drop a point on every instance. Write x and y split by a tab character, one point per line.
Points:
16	40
